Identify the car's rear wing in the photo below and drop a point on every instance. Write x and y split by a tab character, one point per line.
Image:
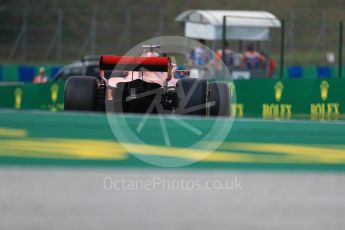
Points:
130	63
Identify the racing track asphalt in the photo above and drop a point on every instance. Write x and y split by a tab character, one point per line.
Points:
67	198
53	193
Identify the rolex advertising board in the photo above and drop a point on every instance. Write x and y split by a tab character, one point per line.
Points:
33	96
266	98
291	98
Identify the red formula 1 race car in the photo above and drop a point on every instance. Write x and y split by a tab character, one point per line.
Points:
145	84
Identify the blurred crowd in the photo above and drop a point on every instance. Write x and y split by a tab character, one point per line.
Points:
251	59
41	77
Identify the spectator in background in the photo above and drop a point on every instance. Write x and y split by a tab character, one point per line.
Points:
41	77
251	59
199	56
268	62
229	57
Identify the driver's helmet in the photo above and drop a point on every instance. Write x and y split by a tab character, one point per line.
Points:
149	54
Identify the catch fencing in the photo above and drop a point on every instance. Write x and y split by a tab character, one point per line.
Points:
311	37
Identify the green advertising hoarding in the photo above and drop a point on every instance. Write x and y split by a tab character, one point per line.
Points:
312	98
267	98
33	96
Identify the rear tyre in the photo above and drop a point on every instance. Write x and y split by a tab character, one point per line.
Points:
191	94
80	94
219	99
